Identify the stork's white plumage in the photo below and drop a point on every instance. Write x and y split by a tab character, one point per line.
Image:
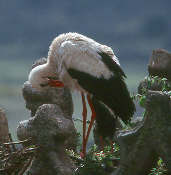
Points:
82	64
72	50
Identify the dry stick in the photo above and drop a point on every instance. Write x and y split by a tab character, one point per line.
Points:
3	156
18	142
79	120
4	153
16	166
7	160
7	145
26	166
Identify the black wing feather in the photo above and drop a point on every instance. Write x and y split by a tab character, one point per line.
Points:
105	120
112	92
111	64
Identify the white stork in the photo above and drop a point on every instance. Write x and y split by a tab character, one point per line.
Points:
82	64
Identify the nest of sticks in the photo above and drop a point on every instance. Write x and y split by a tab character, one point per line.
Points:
16	158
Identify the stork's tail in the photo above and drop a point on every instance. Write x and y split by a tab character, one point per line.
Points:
120	100
105	120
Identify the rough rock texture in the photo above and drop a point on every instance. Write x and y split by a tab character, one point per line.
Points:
59	96
141	147
50	130
50	127
4	131
160	64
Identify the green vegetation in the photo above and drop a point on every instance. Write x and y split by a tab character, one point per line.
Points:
159	169
161	84
97	162
104	162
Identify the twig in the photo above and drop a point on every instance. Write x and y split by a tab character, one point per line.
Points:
26	165
77	119
17	142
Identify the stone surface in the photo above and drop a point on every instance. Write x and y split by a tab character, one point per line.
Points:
160	64
50	95
4	130
141	146
50	128
59	96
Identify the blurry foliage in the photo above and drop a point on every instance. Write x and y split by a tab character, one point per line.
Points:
159	169
97	162
151	82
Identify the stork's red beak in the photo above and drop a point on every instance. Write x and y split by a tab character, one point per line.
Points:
55	83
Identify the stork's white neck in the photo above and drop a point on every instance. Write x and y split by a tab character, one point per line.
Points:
39	74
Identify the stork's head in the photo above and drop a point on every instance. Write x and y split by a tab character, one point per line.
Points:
42	77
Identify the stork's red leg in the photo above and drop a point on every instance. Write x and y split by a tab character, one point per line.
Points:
84	113
93	116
